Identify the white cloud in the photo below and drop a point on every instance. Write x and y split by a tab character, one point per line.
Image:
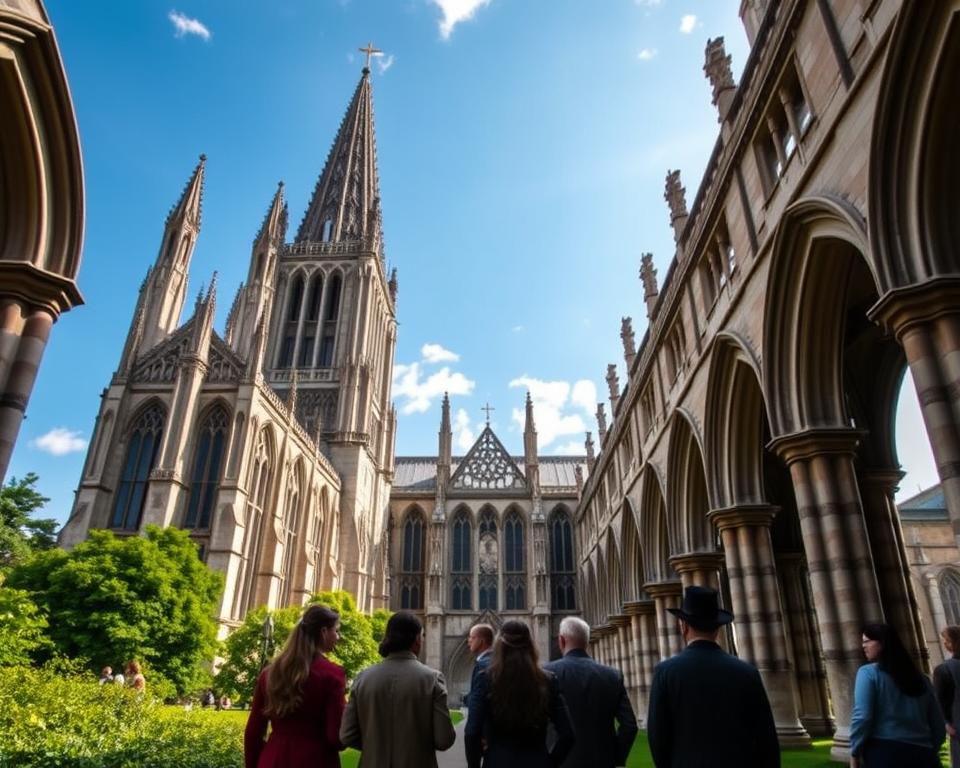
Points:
184	25
573	448
421	394
384	63
434	353
646	54
59	442
463	434
585	395
552	403
687	23
455	11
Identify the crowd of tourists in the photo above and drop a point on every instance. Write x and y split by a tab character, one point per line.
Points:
706	708
133	677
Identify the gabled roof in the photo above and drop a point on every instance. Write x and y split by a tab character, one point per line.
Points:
926	505
488	467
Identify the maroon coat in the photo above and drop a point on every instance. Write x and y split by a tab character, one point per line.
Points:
308	738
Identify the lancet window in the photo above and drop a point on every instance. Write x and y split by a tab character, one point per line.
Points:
563	574
261	473
515	578
207	465
330	313
412	561
291	321
461	575
950	595
142	452
488	560
311	325
291	530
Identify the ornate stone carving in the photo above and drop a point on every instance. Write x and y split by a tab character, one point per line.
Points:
717	68
488	466
648	275
629	343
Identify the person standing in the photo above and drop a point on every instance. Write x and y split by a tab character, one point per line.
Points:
896	719
513	703
106	675
946	683
708	708
596	697
135	678
480	643
397	715
301	696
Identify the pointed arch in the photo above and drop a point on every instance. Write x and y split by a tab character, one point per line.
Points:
815	250
614	586
144	435
488	558
949	582
687	499
259	484
733	433
592	599
514	561
291	522
210	442
654	530
333	294
461	565
632	563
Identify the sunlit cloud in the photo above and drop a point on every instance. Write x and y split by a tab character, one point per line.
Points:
59	442
420	393
556	407
455	11
183	25
463	434
687	23
646	54
384	63
434	353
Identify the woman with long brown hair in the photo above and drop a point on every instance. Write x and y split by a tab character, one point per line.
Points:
511	706
301	695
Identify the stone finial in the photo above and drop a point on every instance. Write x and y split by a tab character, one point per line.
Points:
601	423
578	476
613	384
393	285
648	274
675	195
591	454
629	344
717	68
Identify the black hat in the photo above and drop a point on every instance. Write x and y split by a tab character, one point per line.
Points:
701	609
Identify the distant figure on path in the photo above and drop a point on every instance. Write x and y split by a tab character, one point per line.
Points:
397	715
946	682
106	675
301	695
896	719
511	706
708	708
596	698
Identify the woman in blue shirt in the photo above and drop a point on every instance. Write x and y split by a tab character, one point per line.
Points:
896	719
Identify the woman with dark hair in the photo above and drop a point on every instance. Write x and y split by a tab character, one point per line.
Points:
511	706
301	695
896	720
946	682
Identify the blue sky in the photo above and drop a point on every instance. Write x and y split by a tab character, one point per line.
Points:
522	150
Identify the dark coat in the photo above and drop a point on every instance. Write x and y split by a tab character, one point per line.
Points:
506	745
708	708
596	697
310	737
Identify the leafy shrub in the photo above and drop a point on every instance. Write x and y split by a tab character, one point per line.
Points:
48	719
21	627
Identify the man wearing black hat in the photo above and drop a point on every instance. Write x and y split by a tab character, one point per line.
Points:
708	708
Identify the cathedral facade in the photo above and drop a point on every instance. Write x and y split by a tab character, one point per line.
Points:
272	444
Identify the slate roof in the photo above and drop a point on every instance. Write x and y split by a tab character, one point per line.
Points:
927	505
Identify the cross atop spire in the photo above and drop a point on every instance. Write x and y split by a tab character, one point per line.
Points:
488	408
370	51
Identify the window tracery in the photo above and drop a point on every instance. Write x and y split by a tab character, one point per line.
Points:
515	578
488	561
206	468
141	457
412	562
488	466
461	577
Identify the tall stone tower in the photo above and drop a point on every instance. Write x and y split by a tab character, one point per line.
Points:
272	444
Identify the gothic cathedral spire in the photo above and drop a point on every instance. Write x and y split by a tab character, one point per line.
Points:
346	199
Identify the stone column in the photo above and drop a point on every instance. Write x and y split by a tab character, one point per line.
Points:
878	488
804	645
646	653
700	569
666	594
621	623
23	338
758	613
925	319
845	592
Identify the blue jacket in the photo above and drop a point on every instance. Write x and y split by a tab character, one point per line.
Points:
881	711
596	697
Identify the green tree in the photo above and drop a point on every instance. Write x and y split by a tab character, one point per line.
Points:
113	599
356	648
21	533
242	651
22	627
378	620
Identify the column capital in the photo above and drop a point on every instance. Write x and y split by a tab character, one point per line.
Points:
886	478
901	308
601	630
743	516
816	441
639	607
619	620
664	588
696	561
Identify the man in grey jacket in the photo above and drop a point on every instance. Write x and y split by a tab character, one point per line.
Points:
596	698
397	714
